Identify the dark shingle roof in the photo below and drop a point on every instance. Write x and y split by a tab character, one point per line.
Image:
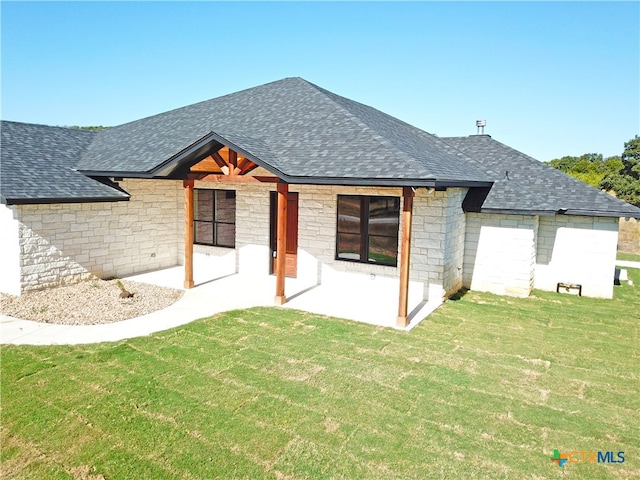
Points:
298	131
37	165
293	128
524	183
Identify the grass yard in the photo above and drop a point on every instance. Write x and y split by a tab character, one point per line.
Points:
487	387
631	257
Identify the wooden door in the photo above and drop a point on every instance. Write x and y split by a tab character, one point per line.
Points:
291	262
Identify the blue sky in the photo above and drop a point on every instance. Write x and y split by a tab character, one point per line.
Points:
550	78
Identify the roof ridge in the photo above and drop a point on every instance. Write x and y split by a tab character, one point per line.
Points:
389	143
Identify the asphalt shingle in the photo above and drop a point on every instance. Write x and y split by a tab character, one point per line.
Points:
37	164
292	127
524	183
300	132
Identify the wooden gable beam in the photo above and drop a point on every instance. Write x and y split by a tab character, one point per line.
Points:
245	165
221	163
233	163
231	178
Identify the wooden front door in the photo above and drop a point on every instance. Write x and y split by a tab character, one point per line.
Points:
291	261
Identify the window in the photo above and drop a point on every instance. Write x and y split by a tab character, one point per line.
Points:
367	229
214	217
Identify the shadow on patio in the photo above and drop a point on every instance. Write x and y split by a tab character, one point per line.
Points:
211	294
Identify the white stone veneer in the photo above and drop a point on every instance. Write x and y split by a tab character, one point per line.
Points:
438	225
500	253
511	254
579	250
65	243
54	244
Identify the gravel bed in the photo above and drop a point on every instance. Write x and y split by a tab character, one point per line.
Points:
89	303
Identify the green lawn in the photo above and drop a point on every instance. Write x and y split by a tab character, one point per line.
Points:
632	257
487	387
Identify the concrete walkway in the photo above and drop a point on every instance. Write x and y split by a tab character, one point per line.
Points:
628	264
209	297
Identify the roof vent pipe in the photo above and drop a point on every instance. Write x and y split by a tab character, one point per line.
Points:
481	124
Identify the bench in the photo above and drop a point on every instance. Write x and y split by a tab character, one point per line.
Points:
569	286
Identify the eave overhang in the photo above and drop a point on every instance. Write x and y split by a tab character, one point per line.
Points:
381	182
599	213
549	213
177	168
50	200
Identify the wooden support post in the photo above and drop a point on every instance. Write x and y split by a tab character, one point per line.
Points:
281	242
233	163
188	233
405	254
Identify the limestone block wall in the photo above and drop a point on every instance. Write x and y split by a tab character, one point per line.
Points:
500	253
455	231
433	233
437	241
252	228
9	250
316	229
65	243
579	250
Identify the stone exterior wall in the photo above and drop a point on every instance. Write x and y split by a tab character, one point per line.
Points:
432	233
49	245
455	233
578	250
316	230
9	250
500	253
437	243
65	243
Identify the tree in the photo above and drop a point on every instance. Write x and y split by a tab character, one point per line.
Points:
625	183
590	167
619	176
92	128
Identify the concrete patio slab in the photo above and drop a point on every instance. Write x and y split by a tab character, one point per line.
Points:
210	296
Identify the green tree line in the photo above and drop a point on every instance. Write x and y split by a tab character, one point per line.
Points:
618	175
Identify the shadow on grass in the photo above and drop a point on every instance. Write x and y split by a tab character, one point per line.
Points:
459	294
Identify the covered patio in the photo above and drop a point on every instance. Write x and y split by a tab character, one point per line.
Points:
376	307
219	161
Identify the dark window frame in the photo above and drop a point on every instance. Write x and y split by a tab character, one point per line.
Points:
214	221
364	230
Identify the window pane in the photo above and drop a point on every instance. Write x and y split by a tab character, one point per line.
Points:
349	246
383	250
349	214
226	234
384	216
203	232
203	208
226	206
